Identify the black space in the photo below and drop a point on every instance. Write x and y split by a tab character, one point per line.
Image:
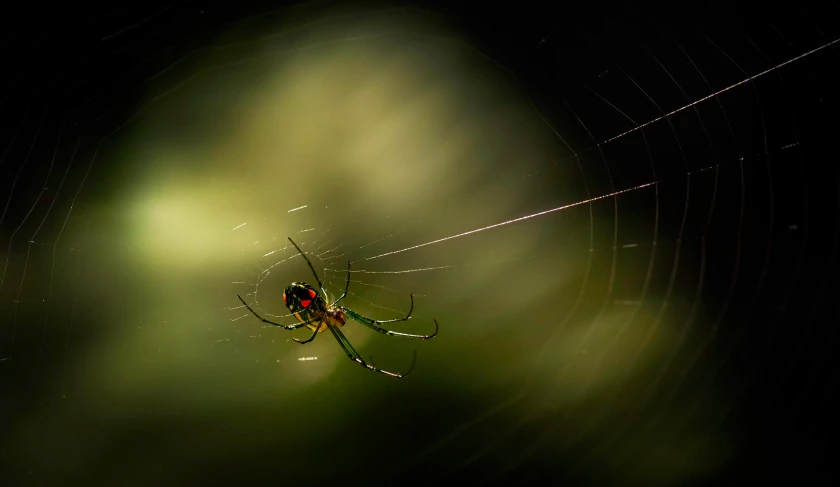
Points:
761	158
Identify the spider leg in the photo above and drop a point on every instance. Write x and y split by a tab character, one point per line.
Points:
318	279
374	325
288	327
314	334
353	355
346	287
371	321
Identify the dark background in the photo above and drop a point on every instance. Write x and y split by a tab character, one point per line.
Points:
678	334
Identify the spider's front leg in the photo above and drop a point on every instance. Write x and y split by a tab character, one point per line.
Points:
374	324
353	355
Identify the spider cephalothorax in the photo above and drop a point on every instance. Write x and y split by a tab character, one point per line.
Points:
312	311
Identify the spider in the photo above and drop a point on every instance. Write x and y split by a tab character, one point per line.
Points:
312	311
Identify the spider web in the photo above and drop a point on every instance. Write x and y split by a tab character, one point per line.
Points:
625	223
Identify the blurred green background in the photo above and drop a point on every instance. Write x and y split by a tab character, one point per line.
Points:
568	342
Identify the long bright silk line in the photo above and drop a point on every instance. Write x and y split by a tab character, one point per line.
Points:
590	200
